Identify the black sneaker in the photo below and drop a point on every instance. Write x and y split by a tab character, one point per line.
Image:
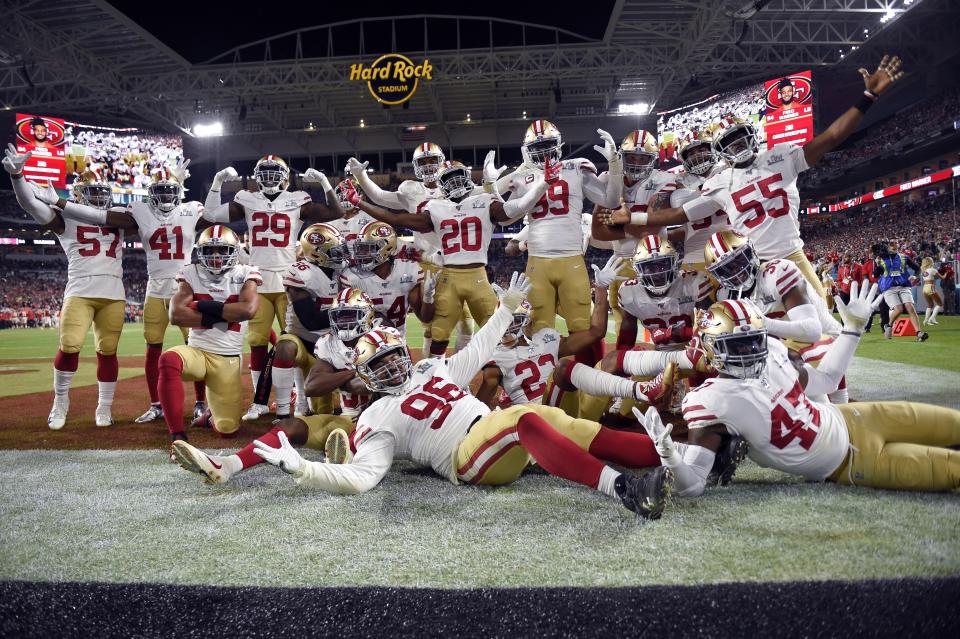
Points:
922	336
733	451
648	495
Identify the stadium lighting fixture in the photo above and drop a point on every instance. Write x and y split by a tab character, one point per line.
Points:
211	130
362	123
889	15
637	108
468	117
524	115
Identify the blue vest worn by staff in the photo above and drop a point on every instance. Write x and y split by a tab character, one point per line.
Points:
894	272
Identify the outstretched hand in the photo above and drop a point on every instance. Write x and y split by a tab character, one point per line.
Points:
888	72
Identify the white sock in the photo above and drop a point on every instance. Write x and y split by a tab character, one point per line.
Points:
232	464
283	380
106	391
926	316
255	376
936	311
298	383
608	479
61	382
426	347
464	333
599	384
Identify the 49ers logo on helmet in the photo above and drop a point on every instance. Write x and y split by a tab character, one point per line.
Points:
382	231
316	238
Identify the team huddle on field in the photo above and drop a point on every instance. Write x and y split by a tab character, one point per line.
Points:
738	343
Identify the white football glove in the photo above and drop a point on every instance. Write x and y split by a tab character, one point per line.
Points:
604	277
13	162
856	314
659	433
180	170
490	171
314	176
429	287
228	174
356	167
609	150
46	195
517	292
286	458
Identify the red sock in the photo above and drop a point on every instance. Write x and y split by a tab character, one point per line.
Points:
258	358
555	453
170	387
591	354
273	337
634	450
200	390
151	368
108	368
67	362
250	458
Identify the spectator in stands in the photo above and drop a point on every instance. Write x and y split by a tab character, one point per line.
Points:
848	272
949	286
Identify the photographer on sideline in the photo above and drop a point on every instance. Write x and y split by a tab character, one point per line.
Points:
891	267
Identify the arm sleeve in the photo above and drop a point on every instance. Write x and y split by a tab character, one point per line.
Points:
700	208
219	213
85	214
652	363
389	199
516	207
467	362
371	463
601	190
600	384
825	379
523	234
803	324
41	212
690	470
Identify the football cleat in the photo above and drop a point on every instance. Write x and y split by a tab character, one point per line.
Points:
196	461
205	420
175	437
103	415
256	411
888	332
922	336
302	407
337	448
153	413
199	408
731	454
58	414
648	495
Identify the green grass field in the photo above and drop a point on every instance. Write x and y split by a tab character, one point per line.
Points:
125	516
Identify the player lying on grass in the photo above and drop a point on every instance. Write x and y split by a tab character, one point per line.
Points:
762	396
426	416
350	316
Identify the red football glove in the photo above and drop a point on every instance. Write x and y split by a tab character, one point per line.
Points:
662	336
351	194
551	171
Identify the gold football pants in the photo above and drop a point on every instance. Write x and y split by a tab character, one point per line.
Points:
78	313
319	428
559	284
222	376
156	318
457	287
272	305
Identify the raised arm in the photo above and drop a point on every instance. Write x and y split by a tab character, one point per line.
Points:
213	210
27	194
420	223
516	207
389	199
321	211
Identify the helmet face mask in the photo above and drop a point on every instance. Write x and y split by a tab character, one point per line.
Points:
271	174
352	314
93	191
737	144
427	160
537	152
637	165
698	158
657	273
737	271
165	196
388	371
455	181
518	325
377	244
742	354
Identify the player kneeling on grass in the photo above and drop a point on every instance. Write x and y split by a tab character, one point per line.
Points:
214	299
761	396
350	317
427	417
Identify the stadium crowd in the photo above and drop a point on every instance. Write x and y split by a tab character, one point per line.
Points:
124	160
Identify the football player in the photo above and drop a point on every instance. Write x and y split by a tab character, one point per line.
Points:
168	226
465	223
761	396
312	284
396	286
353	219
758	189
555	264
273	216
426	416
216	296
351	315
94	293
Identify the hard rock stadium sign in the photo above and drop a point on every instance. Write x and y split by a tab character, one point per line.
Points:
392	78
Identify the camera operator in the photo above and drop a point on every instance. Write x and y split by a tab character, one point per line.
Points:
891	267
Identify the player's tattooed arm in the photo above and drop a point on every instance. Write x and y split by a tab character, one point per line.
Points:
489	383
578	340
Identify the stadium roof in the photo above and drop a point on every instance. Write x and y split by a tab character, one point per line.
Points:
86	57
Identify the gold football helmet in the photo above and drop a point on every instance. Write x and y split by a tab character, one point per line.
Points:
90	189
640	152
655	262
427	159
455	180
322	244
383	362
518	326
341	191
542	140
272	174
732	337
165	191
735	140
696	151
377	244
731	260
351	314
218	248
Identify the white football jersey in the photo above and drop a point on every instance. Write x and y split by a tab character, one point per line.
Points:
696	234
636	196
416	195
774	280
272	228
94	260
466	228
350	227
323	288
168	242
224	338
761	201
785	429
389	294
675	306
930	276
330	349
526	368
555	220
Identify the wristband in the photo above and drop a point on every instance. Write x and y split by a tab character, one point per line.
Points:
211	308
639	218
16	176
852	333
864	103
208	321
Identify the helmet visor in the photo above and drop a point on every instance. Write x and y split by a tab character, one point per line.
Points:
456	183
738	145
697	158
350	322
98	196
743	355
365	254
427	167
656	274
165	195
737	271
217	258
